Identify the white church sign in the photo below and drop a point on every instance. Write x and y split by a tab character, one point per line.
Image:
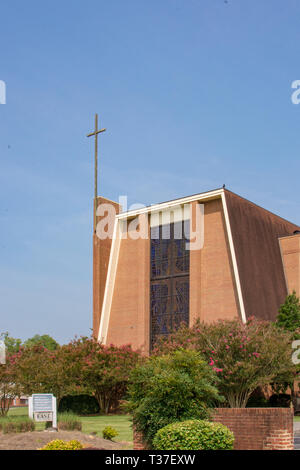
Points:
42	407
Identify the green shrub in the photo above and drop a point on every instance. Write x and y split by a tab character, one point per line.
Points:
68	422
16	424
281	400
79	404
194	435
175	387
257	399
59	444
257	402
109	433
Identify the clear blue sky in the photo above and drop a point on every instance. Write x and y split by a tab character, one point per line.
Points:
194	94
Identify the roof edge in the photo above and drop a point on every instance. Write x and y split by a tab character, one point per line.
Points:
262	208
216	193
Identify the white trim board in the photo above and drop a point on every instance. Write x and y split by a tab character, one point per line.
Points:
233	258
110	282
166	205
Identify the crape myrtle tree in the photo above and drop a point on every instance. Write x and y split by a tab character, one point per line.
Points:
9	387
83	366
244	356
104	370
39	370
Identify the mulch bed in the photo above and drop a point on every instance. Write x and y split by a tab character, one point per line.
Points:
35	440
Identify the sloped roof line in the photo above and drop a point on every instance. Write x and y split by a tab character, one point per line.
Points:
260	207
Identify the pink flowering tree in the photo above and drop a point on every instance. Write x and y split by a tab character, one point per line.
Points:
104	370
244	356
79	367
38	370
9	388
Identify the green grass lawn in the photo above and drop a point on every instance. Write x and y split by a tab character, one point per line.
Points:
122	423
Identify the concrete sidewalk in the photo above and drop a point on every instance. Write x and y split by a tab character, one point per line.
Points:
297	435
297	427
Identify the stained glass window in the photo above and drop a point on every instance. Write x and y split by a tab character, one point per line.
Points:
169	284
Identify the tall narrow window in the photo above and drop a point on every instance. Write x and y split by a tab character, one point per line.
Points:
169	278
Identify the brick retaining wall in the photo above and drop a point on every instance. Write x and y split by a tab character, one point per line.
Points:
253	428
258	428
138	442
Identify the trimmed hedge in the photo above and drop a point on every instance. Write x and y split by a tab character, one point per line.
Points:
79	404
194	435
16	425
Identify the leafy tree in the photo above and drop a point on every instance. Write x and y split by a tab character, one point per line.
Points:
9	388
45	340
81	367
12	344
174	387
104	370
244	356
288	320
39	370
289	315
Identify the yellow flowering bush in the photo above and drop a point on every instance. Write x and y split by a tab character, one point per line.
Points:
59	444
109	433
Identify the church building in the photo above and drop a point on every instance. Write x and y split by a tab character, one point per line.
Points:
211	256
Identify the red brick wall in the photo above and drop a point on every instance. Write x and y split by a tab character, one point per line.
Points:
138	442
258	428
213	293
129	317
290	252
253	428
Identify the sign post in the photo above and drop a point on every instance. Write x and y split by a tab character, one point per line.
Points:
42	407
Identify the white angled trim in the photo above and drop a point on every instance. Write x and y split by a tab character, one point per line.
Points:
110	282
166	205
233	257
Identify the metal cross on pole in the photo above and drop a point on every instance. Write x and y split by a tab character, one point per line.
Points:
95	134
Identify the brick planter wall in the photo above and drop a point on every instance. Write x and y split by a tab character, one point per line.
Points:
258	428
138	442
253	428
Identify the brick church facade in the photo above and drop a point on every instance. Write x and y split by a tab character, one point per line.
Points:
247	261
